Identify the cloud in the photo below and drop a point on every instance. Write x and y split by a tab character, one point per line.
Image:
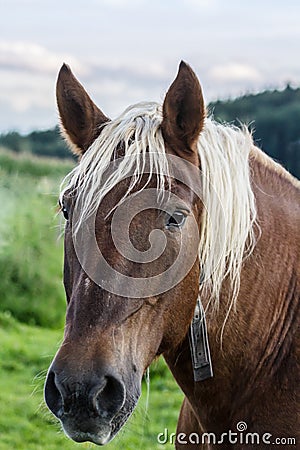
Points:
120	3
140	72
27	78
235	72
28	73
200	4
31	57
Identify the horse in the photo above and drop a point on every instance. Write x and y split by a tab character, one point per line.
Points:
152	187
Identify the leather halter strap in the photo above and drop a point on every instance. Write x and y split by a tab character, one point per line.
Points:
199	345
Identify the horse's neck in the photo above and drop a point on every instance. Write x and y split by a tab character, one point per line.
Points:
269	289
258	337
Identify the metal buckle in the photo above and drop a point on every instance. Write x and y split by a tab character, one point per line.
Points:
199	345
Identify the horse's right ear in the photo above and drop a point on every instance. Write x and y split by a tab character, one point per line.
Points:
80	118
183	114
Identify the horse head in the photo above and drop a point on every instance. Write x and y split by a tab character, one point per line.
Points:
131	270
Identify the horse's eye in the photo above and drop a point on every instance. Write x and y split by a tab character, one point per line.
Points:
65	212
176	220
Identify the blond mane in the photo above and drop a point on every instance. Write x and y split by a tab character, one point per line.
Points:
227	235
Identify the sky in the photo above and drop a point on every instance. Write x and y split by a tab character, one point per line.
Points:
126	51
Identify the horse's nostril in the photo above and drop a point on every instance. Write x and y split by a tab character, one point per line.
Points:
109	397
101	397
53	397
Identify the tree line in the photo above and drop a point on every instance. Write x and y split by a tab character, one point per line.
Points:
273	116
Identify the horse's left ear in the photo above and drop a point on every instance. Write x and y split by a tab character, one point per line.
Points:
81	119
183	113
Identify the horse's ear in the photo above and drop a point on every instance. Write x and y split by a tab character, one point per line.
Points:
183	113
80	117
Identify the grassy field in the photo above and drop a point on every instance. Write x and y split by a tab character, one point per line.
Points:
30	251
32	309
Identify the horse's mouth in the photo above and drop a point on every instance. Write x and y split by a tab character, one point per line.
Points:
101	432
100	438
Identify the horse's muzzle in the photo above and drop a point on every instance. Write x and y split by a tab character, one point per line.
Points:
85	407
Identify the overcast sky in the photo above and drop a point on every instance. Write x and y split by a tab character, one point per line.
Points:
125	51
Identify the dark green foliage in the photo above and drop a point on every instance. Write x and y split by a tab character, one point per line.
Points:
42	143
275	120
48	143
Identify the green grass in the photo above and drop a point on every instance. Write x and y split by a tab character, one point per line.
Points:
26	424
27	164
32	309
30	251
